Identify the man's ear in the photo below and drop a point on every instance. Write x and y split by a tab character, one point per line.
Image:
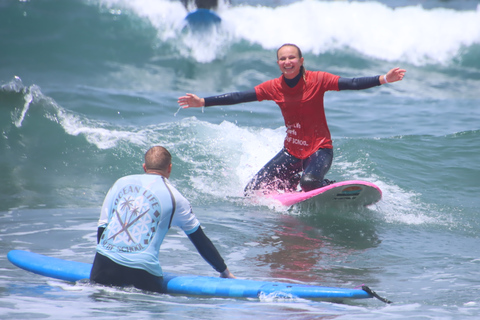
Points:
144	167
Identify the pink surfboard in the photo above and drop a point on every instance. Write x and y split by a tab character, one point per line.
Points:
346	193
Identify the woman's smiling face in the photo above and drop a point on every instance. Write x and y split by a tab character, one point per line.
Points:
289	61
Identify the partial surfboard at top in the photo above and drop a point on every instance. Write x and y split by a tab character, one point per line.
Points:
355	193
202	18
188	284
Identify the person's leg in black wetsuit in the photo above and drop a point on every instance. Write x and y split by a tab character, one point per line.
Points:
283	172
109	273
315	168
280	173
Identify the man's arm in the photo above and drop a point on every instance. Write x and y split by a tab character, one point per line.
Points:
99	233
208	251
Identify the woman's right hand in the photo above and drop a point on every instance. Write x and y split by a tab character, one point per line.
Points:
191	101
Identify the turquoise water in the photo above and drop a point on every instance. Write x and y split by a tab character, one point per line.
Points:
87	86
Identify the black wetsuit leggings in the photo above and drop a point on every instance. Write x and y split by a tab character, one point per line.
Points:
109	273
283	172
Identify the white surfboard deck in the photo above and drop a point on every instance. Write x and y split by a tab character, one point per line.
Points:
354	193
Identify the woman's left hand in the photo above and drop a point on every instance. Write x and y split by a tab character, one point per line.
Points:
394	75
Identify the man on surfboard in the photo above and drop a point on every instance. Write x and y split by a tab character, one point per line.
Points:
308	152
135	217
200	4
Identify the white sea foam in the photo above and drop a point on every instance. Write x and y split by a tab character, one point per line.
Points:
407	34
397	205
411	34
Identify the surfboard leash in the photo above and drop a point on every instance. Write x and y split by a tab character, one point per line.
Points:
373	293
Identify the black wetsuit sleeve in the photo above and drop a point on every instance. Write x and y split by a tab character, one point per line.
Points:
358	83
207	250
99	233
231	98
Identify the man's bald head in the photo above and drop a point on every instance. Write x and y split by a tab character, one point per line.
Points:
158	160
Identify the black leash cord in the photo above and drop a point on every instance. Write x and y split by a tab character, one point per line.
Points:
373	293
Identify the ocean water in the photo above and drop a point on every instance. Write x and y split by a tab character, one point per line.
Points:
87	86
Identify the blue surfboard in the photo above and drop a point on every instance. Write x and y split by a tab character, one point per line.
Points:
202	19
188	284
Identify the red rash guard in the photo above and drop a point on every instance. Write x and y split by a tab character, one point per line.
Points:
303	110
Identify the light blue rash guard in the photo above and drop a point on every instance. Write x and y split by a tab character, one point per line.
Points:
137	213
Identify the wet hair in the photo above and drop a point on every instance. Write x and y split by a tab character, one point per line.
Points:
290	45
302	68
157	158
